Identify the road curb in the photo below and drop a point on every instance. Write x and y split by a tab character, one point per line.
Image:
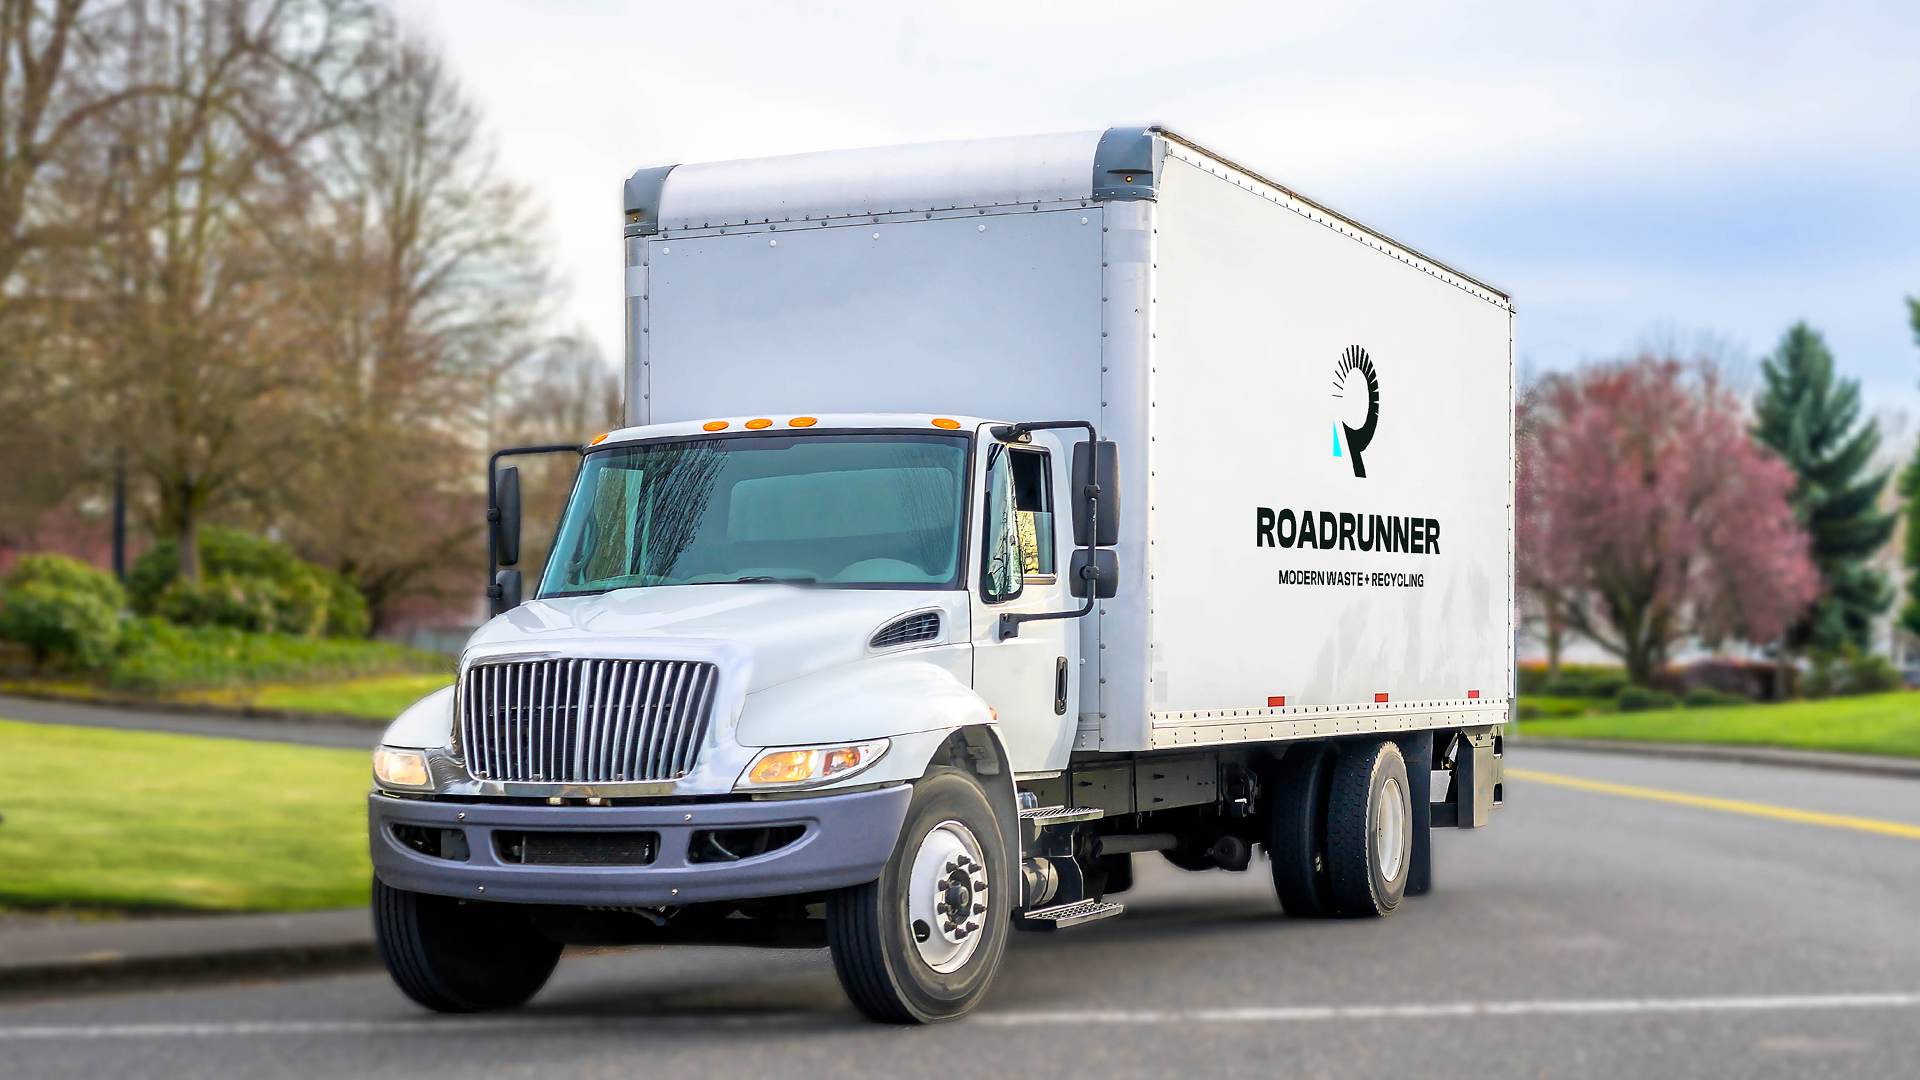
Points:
111	973
1859	764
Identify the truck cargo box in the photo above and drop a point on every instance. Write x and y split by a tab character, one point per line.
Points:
1314	421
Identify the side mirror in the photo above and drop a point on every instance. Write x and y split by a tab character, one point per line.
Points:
504	515
1108	456
505	591
1101	573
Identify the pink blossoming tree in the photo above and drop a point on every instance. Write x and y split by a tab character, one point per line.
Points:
1646	515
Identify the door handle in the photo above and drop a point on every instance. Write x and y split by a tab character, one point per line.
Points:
1060	687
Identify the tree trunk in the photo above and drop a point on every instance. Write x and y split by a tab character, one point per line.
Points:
1555	639
187	535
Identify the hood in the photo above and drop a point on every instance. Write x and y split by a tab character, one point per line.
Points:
790	630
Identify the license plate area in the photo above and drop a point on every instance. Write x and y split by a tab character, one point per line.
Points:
590	848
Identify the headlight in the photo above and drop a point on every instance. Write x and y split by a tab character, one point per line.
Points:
401	768
810	765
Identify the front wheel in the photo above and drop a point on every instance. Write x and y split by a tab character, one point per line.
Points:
454	956
922	943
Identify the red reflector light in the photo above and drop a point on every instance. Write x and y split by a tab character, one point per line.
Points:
1473	693
1276	702
1379	697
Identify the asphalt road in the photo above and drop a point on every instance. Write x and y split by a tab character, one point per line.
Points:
1586	933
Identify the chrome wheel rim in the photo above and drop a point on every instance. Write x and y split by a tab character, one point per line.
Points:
1390	831
947	897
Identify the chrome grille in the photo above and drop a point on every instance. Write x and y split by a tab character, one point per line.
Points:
578	721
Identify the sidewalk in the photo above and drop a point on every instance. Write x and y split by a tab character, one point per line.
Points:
354	734
51	954
1822	760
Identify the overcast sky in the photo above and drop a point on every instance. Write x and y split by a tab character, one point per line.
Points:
1626	170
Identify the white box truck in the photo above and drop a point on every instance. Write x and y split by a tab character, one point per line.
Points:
992	512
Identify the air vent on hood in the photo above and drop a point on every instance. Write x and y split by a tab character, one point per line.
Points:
924	626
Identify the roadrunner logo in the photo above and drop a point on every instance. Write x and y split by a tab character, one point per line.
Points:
1354	380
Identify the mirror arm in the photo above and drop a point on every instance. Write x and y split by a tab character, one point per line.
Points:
494	591
1010	620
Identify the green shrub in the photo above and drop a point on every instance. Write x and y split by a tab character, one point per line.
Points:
1578	681
1544	708
1706	697
157	656
1641	699
1872	674
247	583
1840	676
242	603
60	607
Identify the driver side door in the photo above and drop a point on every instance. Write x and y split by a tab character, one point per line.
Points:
1032	680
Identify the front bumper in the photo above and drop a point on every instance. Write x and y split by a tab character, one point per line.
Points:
847	841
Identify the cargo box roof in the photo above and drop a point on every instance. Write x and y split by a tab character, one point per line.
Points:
1035	170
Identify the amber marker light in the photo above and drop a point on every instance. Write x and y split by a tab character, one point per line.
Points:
756	425
714	425
802	421
600	438
950	425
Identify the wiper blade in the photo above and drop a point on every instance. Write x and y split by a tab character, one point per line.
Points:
759	579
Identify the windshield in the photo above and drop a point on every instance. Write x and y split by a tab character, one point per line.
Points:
865	511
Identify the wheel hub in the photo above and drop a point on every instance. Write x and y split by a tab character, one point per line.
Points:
947	896
1390	830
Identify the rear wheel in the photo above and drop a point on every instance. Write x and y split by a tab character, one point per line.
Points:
922	943
1297	846
453	956
1369	830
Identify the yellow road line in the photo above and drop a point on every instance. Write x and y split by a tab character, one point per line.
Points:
1731	806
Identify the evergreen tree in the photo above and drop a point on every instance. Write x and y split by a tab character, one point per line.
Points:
1812	420
1910	488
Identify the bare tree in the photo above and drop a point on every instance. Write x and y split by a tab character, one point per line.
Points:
424	287
50	101
198	369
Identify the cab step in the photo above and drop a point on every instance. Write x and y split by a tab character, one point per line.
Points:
1048	816
1066	916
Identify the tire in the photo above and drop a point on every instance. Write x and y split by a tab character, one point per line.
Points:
1369	830
897	958
457	957
1297	846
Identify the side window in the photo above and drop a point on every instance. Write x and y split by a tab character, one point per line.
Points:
1033	510
1001	577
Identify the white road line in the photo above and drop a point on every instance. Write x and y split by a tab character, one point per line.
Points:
1253	1015
1449	1010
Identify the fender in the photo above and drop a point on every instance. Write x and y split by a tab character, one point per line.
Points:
425	724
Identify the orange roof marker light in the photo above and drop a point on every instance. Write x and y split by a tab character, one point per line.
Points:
756	425
802	421
950	425
714	425
600	438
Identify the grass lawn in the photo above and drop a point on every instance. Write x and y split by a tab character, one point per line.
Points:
125	819
378	698
1870	724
